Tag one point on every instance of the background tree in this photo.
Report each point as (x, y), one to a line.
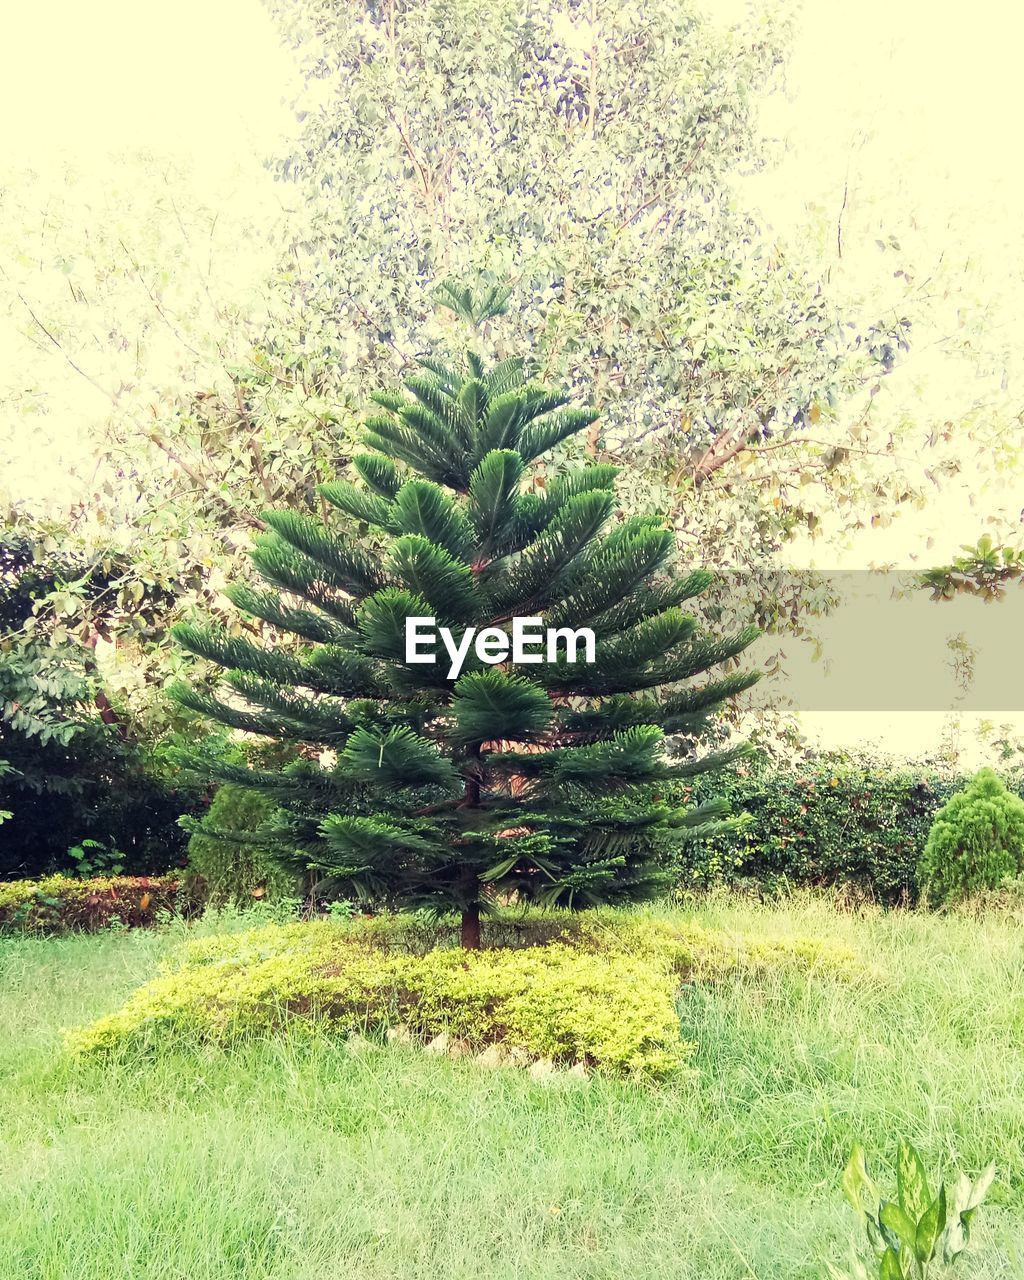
(72, 768)
(591, 155)
(542, 783)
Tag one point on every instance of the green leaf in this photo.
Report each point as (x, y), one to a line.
(380, 473)
(545, 433)
(398, 757)
(422, 507)
(504, 376)
(981, 1187)
(502, 424)
(368, 507)
(369, 840)
(857, 1184)
(472, 404)
(895, 1219)
(349, 567)
(382, 620)
(911, 1182)
(890, 1267)
(930, 1227)
(490, 705)
(493, 490)
(434, 575)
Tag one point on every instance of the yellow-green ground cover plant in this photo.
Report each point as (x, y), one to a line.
(598, 990)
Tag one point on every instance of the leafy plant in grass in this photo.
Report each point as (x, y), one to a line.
(915, 1233)
(976, 841)
(529, 780)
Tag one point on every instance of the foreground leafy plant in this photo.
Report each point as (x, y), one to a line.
(916, 1230)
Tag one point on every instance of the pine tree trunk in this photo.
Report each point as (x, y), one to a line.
(471, 927)
(471, 912)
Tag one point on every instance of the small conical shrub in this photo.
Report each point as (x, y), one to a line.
(976, 841)
(232, 865)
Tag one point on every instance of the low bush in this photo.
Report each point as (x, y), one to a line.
(60, 904)
(976, 841)
(598, 990)
(234, 870)
(550, 1002)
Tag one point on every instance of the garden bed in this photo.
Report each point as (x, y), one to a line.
(596, 990)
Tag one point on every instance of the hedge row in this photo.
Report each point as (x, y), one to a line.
(60, 904)
(825, 825)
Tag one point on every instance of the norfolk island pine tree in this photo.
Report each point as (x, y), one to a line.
(540, 783)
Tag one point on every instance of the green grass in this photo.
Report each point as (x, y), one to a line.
(298, 1160)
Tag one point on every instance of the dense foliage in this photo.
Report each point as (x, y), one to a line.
(73, 774)
(61, 904)
(826, 822)
(229, 866)
(533, 778)
(976, 841)
(588, 156)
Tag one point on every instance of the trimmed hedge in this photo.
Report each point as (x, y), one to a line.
(60, 904)
(827, 824)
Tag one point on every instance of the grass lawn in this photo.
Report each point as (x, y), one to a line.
(291, 1160)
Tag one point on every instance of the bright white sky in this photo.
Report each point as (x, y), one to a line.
(918, 107)
(203, 78)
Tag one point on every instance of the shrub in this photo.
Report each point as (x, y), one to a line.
(237, 870)
(597, 988)
(829, 823)
(976, 841)
(59, 904)
(550, 1001)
